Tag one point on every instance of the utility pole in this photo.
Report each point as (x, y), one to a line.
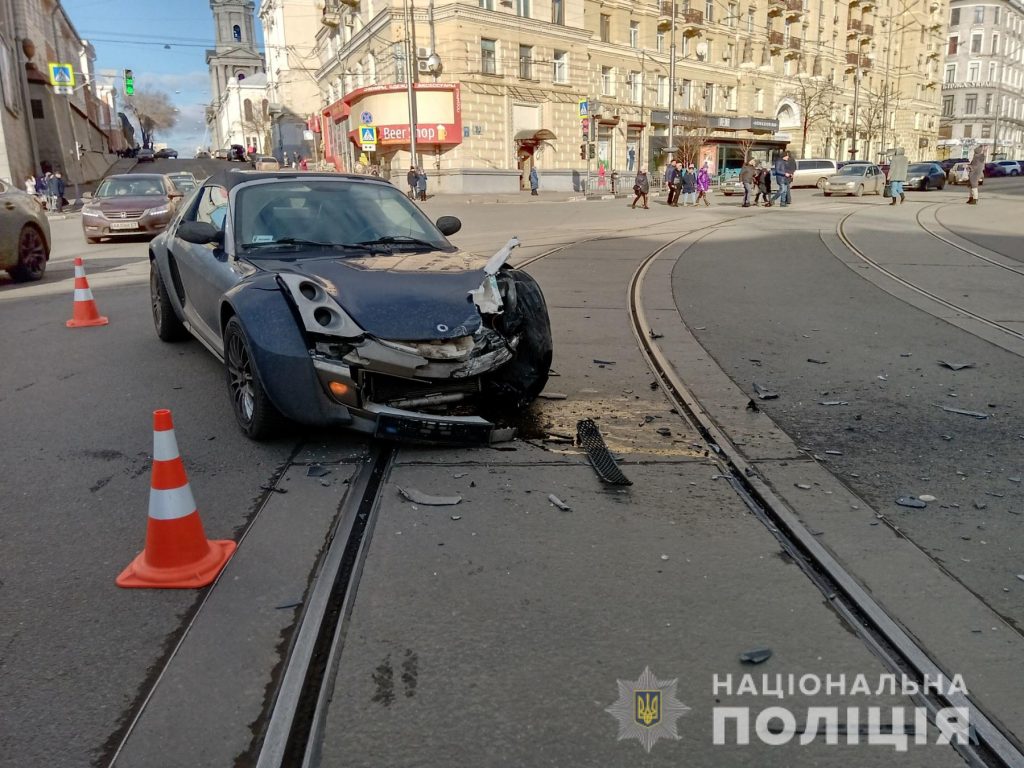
(885, 84)
(410, 57)
(999, 106)
(672, 86)
(856, 99)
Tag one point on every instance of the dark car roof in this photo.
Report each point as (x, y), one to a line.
(232, 178)
(134, 176)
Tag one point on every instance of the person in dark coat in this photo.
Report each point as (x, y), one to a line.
(534, 180)
(671, 182)
(641, 188)
(764, 184)
(421, 183)
(790, 175)
(747, 180)
(689, 183)
(780, 170)
(977, 173)
(55, 192)
(410, 178)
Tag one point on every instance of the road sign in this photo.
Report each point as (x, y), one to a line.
(367, 135)
(369, 147)
(584, 108)
(366, 117)
(61, 74)
(63, 90)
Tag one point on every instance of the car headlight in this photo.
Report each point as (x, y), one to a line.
(159, 211)
(91, 212)
(850, 183)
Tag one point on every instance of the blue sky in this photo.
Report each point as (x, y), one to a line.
(164, 43)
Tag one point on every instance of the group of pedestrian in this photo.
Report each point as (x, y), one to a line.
(417, 181)
(757, 179)
(683, 182)
(48, 189)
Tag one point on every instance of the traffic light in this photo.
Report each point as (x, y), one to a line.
(129, 83)
(593, 153)
(583, 151)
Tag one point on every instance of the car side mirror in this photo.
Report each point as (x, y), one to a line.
(448, 225)
(200, 233)
(173, 195)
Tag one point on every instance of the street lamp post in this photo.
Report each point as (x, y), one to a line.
(411, 91)
(672, 85)
(856, 100)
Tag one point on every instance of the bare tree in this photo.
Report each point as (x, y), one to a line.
(745, 145)
(813, 97)
(871, 116)
(154, 111)
(696, 130)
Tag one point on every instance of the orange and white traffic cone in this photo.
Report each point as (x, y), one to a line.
(85, 313)
(177, 552)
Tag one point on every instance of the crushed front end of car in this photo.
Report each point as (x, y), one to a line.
(481, 352)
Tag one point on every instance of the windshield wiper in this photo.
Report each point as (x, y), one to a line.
(401, 240)
(298, 242)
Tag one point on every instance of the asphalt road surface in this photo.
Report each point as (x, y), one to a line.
(520, 617)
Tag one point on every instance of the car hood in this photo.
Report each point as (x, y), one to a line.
(843, 178)
(404, 297)
(129, 203)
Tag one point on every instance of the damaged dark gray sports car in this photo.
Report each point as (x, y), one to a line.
(333, 300)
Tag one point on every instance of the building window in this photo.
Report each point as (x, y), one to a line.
(709, 11)
(607, 81)
(976, 41)
(248, 110)
(995, 45)
(606, 28)
(954, 42)
(686, 91)
(973, 72)
(557, 12)
(954, 17)
(236, 32)
(971, 104)
(634, 34)
(523, 8)
(37, 109)
(750, 21)
(986, 131)
(979, 14)
(488, 56)
(659, 42)
(988, 103)
(636, 87)
(526, 62)
(730, 51)
(969, 131)
(709, 97)
(729, 97)
(733, 14)
(662, 91)
(991, 71)
(561, 73)
(917, 121)
(950, 73)
(487, 5)
(759, 99)
(947, 106)
(995, 17)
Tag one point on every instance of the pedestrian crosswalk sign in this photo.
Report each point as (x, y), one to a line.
(62, 74)
(367, 134)
(584, 108)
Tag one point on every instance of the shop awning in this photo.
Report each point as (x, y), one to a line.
(539, 135)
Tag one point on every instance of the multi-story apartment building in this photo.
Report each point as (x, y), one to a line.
(507, 84)
(291, 59)
(41, 130)
(983, 79)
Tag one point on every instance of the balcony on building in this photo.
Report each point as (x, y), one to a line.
(777, 7)
(691, 22)
(854, 3)
(853, 59)
(867, 5)
(794, 9)
(867, 32)
(853, 27)
(664, 14)
(776, 40)
(793, 44)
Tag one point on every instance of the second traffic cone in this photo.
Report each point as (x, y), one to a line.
(84, 313)
(177, 552)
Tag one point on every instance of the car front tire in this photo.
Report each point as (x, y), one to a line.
(31, 255)
(256, 415)
(860, 191)
(168, 327)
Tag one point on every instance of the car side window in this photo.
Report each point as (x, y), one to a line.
(212, 206)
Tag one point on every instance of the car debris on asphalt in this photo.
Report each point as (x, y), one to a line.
(833, 402)
(559, 503)
(427, 500)
(765, 394)
(756, 655)
(553, 396)
(588, 436)
(955, 366)
(912, 502)
(976, 414)
(316, 470)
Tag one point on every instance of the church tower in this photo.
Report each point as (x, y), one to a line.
(235, 55)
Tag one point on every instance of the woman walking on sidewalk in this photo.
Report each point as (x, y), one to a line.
(703, 184)
(977, 174)
(641, 188)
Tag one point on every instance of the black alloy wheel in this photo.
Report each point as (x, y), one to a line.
(31, 255)
(256, 415)
(168, 326)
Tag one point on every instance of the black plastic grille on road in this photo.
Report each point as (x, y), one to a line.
(588, 436)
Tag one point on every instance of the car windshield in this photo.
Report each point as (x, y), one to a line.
(853, 170)
(921, 168)
(330, 212)
(185, 185)
(143, 186)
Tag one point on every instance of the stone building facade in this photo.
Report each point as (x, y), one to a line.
(582, 88)
(983, 80)
(234, 60)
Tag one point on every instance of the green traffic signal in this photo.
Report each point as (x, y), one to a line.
(129, 83)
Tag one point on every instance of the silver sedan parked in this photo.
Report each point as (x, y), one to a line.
(24, 234)
(856, 179)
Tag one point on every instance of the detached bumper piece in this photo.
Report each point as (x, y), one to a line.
(588, 436)
(394, 424)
